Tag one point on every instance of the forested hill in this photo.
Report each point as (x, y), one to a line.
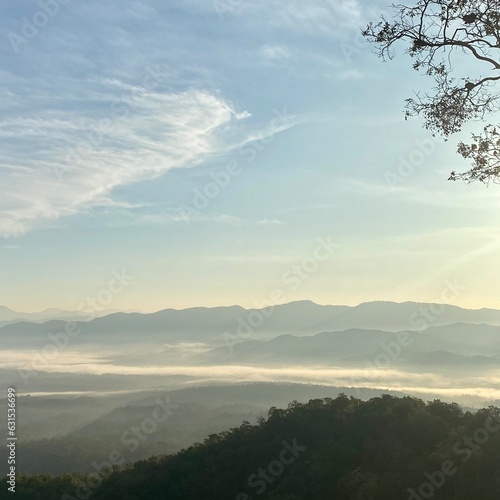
(384, 449)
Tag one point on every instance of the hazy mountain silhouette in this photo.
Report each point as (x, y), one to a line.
(8, 315)
(393, 316)
(354, 346)
(297, 318)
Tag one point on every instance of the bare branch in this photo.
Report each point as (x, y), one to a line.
(425, 29)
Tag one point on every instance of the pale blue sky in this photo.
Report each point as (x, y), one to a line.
(115, 114)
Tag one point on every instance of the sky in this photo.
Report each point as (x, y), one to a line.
(228, 152)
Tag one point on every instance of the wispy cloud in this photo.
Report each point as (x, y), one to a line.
(274, 52)
(268, 222)
(75, 161)
(352, 75)
(427, 195)
(316, 16)
(173, 217)
(69, 141)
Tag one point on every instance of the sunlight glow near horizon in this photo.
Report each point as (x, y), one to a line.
(224, 160)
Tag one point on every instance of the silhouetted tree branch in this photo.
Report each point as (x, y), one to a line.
(436, 31)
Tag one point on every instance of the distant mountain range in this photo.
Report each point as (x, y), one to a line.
(209, 324)
(8, 315)
(412, 348)
(459, 345)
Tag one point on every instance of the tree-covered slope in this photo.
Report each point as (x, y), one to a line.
(383, 449)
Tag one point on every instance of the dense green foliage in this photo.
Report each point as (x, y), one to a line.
(339, 448)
